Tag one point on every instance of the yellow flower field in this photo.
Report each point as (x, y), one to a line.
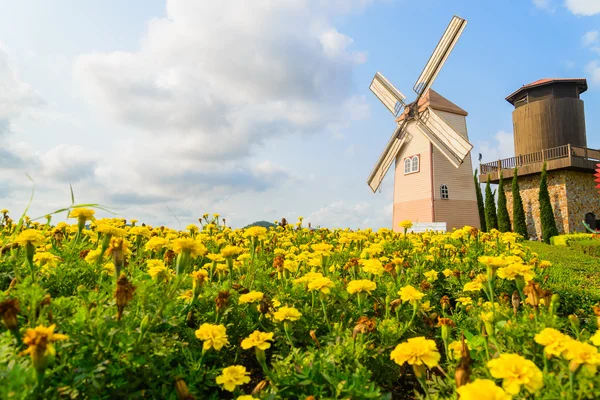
(108, 308)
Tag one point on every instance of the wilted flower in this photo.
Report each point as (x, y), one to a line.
(123, 294)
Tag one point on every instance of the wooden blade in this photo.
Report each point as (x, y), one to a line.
(451, 143)
(387, 94)
(440, 54)
(386, 159)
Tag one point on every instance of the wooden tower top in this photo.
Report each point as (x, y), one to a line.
(547, 87)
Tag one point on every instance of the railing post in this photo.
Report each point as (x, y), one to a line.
(499, 166)
(570, 154)
(543, 155)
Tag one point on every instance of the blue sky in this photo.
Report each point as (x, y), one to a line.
(255, 110)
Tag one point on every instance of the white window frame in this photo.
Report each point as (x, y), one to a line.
(412, 164)
(444, 188)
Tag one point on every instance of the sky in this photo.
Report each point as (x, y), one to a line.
(166, 110)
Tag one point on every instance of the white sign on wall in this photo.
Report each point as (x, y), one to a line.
(419, 227)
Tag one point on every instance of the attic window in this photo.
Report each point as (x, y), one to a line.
(411, 164)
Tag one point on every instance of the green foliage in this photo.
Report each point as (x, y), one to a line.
(480, 205)
(491, 220)
(548, 222)
(503, 218)
(520, 224)
(565, 240)
(590, 247)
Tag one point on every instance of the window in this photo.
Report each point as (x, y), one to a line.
(411, 164)
(407, 165)
(444, 192)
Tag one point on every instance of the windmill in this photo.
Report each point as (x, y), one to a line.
(430, 119)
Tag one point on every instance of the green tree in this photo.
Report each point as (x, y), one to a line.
(480, 206)
(491, 220)
(549, 228)
(503, 218)
(519, 224)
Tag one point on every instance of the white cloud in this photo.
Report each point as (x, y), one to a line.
(17, 98)
(593, 70)
(502, 146)
(583, 7)
(543, 4)
(589, 38)
(341, 214)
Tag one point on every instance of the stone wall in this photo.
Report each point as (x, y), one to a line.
(572, 193)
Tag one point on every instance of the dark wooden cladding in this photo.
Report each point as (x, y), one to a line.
(549, 122)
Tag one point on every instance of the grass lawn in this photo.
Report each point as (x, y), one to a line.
(574, 275)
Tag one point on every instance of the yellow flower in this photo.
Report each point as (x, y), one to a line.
(596, 338)
(214, 336)
(188, 245)
(581, 354)
(516, 371)
(251, 297)
(255, 231)
(157, 271)
(416, 351)
(309, 277)
(372, 266)
(141, 231)
(109, 268)
(82, 214)
(465, 301)
(409, 293)
(513, 271)
(287, 314)
(431, 275)
(257, 339)
(154, 263)
(554, 341)
(30, 236)
(156, 244)
(323, 284)
(43, 258)
(472, 287)
(448, 272)
(456, 349)
(482, 389)
(231, 251)
(425, 306)
(246, 397)
(233, 376)
(361, 286)
(40, 347)
(406, 224)
(111, 230)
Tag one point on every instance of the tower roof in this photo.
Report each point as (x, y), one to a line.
(580, 82)
(436, 101)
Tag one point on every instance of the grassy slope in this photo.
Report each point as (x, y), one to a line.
(573, 275)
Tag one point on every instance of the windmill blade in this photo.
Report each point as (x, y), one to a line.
(387, 158)
(391, 97)
(439, 55)
(449, 142)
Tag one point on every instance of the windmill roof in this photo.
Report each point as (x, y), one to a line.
(436, 101)
(580, 82)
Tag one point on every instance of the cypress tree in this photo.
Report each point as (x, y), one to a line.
(520, 226)
(491, 220)
(549, 228)
(503, 218)
(480, 206)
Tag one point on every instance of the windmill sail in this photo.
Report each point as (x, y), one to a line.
(391, 97)
(451, 143)
(440, 54)
(386, 159)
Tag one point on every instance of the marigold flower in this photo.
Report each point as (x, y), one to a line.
(110, 230)
(231, 251)
(554, 341)
(465, 301)
(431, 275)
(406, 224)
(595, 339)
(233, 376)
(322, 248)
(472, 287)
(323, 284)
(258, 339)
(158, 271)
(188, 245)
(361, 286)
(372, 266)
(82, 214)
(156, 243)
(255, 231)
(581, 354)
(40, 345)
(214, 336)
(513, 271)
(482, 389)
(416, 351)
(287, 314)
(30, 236)
(410, 294)
(44, 258)
(516, 371)
(251, 297)
(141, 231)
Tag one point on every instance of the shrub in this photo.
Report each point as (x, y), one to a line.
(549, 228)
(519, 224)
(565, 240)
(589, 247)
(491, 220)
(503, 218)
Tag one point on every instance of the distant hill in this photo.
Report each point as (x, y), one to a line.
(265, 224)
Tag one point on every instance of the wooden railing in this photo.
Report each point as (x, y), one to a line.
(539, 157)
